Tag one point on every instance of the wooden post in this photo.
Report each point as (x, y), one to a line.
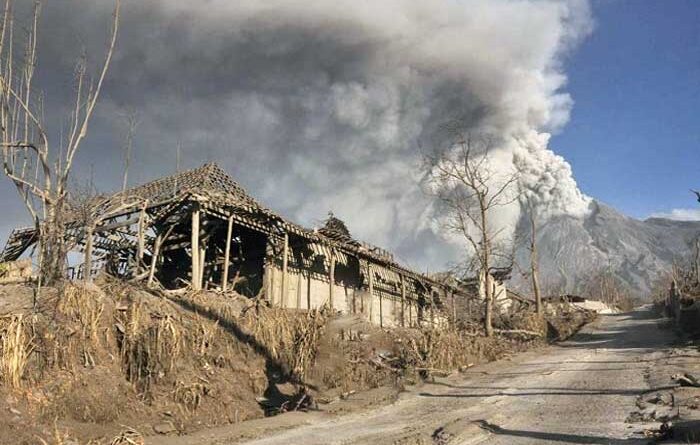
(332, 278)
(227, 254)
(87, 262)
(371, 291)
(141, 240)
(381, 311)
(196, 282)
(454, 309)
(403, 301)
(299, 289)
(308, 290)
(154, 260)
(202, 262)
(269, 282)
(285, 255)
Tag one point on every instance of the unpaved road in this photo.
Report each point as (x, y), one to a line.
(578, 392)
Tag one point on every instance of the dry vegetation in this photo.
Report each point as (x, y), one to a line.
(112, 363)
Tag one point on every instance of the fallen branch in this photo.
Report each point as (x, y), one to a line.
(435, 371)
(686, 380)
(518, 332)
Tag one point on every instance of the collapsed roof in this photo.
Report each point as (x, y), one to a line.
(216, 192)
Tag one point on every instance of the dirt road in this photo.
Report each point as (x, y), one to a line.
(578, 392)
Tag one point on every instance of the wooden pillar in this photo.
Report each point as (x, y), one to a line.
(202, 263)
(154, 260)
(227, 254)
(299, 289)
(308, 290)
(141, 240)
(269, 282)
(332, 278)
(371, 291)
(285, 258)
(403, 301)
(87, 262)
(196, 283)
(381, 311)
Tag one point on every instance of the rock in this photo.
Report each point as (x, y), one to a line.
(164, 428)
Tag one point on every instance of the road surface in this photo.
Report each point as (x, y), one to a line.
(577, 392)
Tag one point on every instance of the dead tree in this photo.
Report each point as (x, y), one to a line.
(534, 259)
(132, 121)
(469, 189)
(39, 170)
(696, 260)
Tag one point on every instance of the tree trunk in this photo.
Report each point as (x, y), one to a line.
(534, 263)
(488, 325)
(87, 261)
(697, 260)
(52, 244)
(536, 289)
(485, 266)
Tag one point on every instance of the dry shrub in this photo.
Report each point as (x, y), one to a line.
(526, 321)
(290, 337)
(438, 349)
(190, 396)
(17, 346)
(205, 339)
(150, 345)
(83, 310)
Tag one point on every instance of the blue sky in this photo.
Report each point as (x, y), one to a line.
(634, 135)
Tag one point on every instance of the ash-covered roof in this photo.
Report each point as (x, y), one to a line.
(208, 179)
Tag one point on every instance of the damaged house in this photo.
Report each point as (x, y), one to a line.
(200, 229)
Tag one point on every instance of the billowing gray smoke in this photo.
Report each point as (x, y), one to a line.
(321, 105)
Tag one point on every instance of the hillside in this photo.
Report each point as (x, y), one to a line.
(574, 249)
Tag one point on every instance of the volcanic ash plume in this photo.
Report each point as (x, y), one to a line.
(321, 105)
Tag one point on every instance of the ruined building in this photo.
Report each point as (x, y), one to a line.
(200, 229)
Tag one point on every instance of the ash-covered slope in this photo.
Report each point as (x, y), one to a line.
(572, 250)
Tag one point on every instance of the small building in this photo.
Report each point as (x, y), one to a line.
(200, 229)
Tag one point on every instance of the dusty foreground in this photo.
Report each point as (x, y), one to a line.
(583, 391)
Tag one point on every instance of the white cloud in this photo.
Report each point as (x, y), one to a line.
(679, 214)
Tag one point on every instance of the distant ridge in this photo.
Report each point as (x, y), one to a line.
(572, 250)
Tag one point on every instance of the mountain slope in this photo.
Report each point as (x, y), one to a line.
(571, 250)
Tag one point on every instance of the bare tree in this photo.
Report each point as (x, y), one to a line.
(696, 260)
(469, 189)
(607, 287)
(132, 121)
(534, 258)
(39, 171)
